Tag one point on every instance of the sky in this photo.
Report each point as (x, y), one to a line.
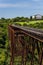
(18, 8)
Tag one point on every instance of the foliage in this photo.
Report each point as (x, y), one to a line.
(4, 44)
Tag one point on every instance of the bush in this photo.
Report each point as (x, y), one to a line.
(24, 24)
(17, 24)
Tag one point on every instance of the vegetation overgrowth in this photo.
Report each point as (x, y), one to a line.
(4, 41)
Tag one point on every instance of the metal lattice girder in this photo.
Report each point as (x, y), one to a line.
(26, 43)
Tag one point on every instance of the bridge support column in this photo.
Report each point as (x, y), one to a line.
(22, 41)
(41, 57)
(12, 48)
(32, 50)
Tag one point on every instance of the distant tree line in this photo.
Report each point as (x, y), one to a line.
(19, 19)
(16, 19)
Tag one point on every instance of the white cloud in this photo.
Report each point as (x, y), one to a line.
(13, 5)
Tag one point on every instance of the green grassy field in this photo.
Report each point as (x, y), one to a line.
(34, 24)
(30, 22)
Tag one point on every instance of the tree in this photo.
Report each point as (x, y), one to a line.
(42, 17)
(30, 17)
(2, 39)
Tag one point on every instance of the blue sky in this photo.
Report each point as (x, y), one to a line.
(26, 8)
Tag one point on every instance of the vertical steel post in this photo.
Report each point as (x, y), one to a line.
(12, 47)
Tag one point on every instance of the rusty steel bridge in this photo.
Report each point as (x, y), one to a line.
(26, 45)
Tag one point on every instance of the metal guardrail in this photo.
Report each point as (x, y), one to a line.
(24, 42)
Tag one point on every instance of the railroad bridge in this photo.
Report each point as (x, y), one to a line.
(26, 45)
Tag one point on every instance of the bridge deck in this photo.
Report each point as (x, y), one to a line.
(35, 33)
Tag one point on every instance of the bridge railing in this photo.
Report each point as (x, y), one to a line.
(26, 45)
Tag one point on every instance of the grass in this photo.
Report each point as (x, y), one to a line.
(32, 24)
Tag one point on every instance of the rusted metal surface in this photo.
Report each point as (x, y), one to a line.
(26, 43)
